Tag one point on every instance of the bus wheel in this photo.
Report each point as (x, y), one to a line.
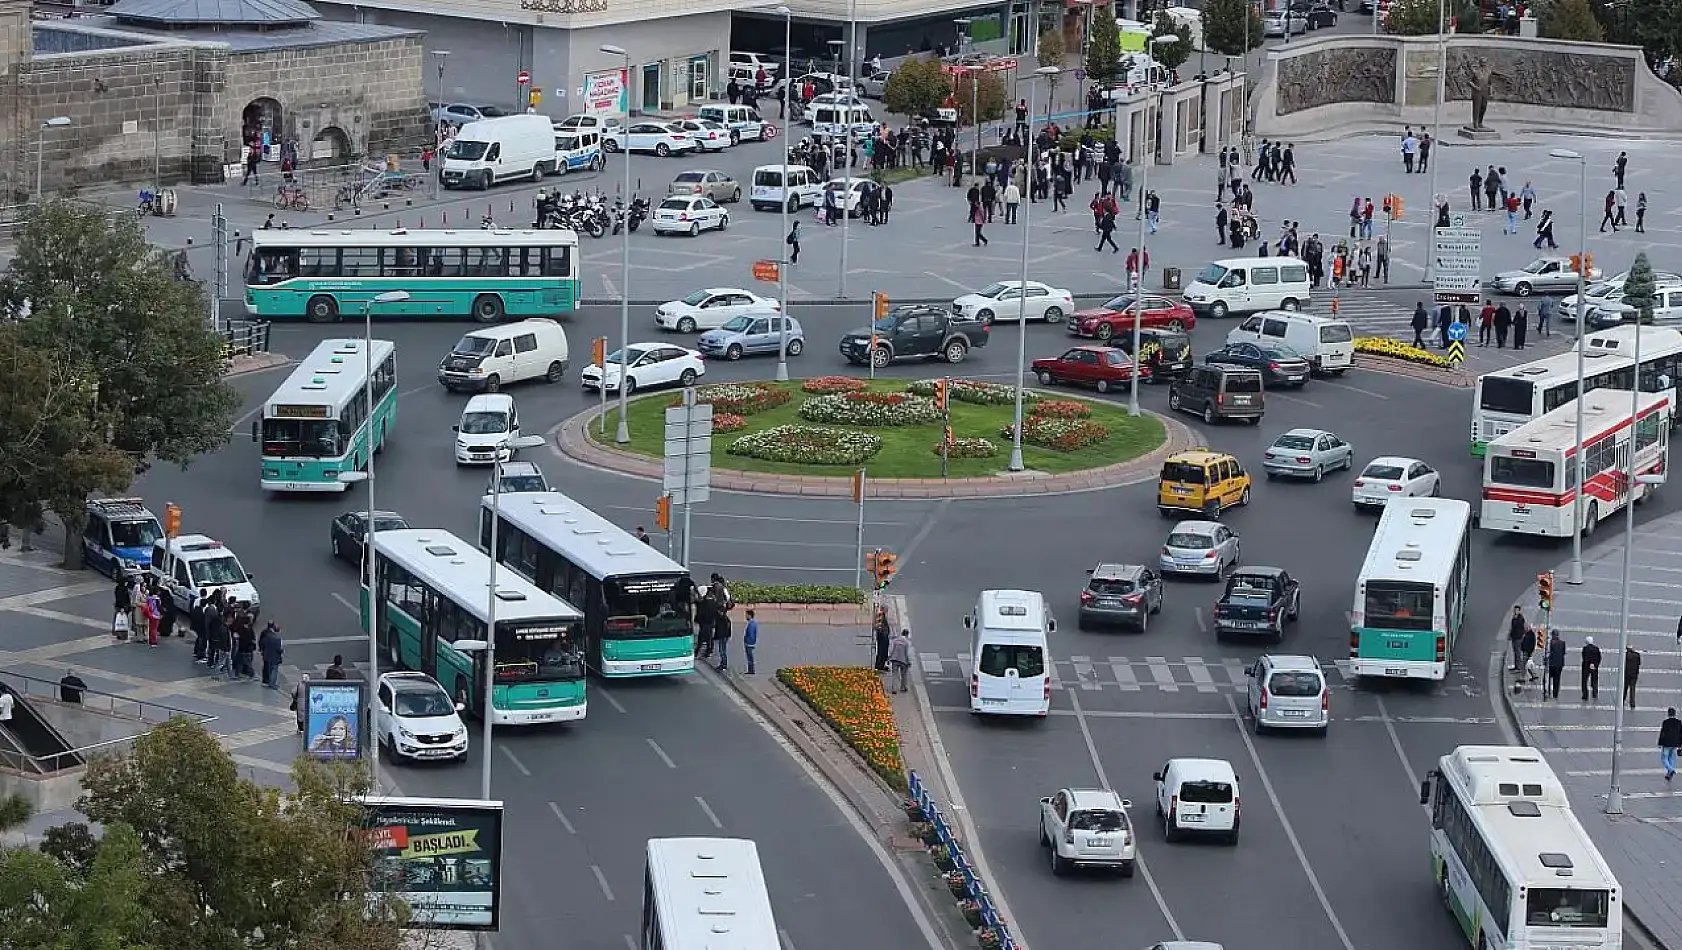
(487, 308)
(322, 309)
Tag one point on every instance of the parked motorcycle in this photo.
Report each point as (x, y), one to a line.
(638, 214)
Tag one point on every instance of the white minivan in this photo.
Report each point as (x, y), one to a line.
(1011, 653)
(771, 191)
(837, 119)
(488, 424)
(1249, 285)
(505, 148)
(743, 122)
(1197, 796)
(489, 357)
(1327, 343)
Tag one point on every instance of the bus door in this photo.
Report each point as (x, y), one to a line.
(429, 652)
(1626, 448)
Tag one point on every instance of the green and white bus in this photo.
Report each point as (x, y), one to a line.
(434, 608)
(634, 623)
(1410, 597)
(317, 424)
(485, 274)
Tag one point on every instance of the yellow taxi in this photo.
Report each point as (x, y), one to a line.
(1203, 481)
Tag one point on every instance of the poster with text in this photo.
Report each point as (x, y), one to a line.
(607, 93)
(442, 857)
(333, 721)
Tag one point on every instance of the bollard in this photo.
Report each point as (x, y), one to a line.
(408, 202)
(331, 216)
(385, 206)
(358, 211)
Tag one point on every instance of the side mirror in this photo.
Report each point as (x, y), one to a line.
(1126, 803)
(250, 577)
(455, 428)
(1089, 572)
(969, 622)
(1156, 776)
(1249, 671)
(1425, 792)
(1045, 801)
(1051, 626)
(461, 707)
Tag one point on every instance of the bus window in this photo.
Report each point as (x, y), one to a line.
(359, 262)
(557, 262)
(525, 262)
(318, 262)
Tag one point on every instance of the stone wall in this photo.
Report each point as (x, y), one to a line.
(16, 116)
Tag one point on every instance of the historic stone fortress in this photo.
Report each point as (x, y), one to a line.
(180, 85)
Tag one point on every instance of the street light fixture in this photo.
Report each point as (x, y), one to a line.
(1564, 154)
(488, 707)
(782, 269)
(1016, 463)
(441, 55)
(1137, 288)
(623, 435)
(56, 122)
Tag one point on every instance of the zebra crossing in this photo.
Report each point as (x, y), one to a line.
(1193, 674)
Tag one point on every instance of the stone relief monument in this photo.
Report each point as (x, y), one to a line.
(1330, 77)
(1539, 77)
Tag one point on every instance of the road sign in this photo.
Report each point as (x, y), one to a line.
(1456, 263)
(689, 446)
(768, 271)
(524, 78)
(1456, 352)
(1457, 332)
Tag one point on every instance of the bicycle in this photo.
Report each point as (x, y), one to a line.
(291, 197)
(348, 196)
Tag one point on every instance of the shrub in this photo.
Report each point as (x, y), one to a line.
(975, 392)
(808, 445)
(830, 385)
(1063, 409)
(969, 449)
(1396, 349)
(742, 399)
(852, 701)
(747, 592)
(728, 422)
(1060, 425)
(870, 409)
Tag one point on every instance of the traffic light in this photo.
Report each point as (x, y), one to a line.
(172, 520)
(663, 512)
(887, 565)
(881, 305)
(872, 564)
(1396, 207)
(940, 395)
(1582, 263)
(1576, 263)
(1387, 205)
(1545, 590)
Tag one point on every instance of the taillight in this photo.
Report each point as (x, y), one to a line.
(1068, 837)
(1220, 399)
(1325, 700)
(1045, 696)
(1354, 643)
(1208, 555)
(1360, 484)
(683, 217)
(1173, 803)
(1235, 806)
(974, 685)
(1273, 615)
(1132, 599)
(1086, 597)
(1264, 699)
(1273, 366)
(1393, 488)
(1302, 460)
(696, 190)
(1442, 649)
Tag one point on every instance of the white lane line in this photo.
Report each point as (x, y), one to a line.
(769, 543)
(1298, 399)
(515, 760)
(324, 641)
(561, 817)
(1285, 822)
(948, 280)
(631, 942)
(611, 701)
(1396, 743)
(1353, 389)
(1104, 780)
(343, 603)
(788, 942)
(601, 880)
(662, 754)
(778, 567)
(707, 810)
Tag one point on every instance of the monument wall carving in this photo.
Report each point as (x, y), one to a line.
(1334, 76)
(1540, 77)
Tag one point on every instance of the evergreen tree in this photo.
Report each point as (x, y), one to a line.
(1103, 49)
(1231, 27)
(1052, 49)
(1571, 20)
(1639, 288)
(1171, 55)
(918, 85)
(1413, 18)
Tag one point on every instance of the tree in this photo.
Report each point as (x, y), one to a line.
(1571, 20)
(1053, 48)
(1171, 55)
(1231, 27)
(48, 905)
(1425, 17)
(1103, 48)
(15, 810)
(918, 85)
(1639, 288)
(984, 89)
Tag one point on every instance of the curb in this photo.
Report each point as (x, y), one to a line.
(572, 441)
(242, 365)
(1456, 379)
(812, 615)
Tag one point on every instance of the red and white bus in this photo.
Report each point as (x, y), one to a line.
(1530, 474)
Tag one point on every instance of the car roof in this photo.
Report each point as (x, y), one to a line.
(1235, 370)
(1117, 572)
(1307, 433)
(1096, 348)
(1400, 461)
(1200, 457)
(377, 513)
(1090, 799)
(1196, 527)
(1194, 769)
(490, 402)
(519, 467)
(1291, 661)
(405, 679)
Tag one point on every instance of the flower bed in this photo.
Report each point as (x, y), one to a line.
(1397, 350)
(740, 399)
(724, 422)
(808, 445)
(852, 701)
(829, 385)
(975, 392)
(870, 409)
(1061, 425)
(747, 592)
(969, 449)
(1062, 409)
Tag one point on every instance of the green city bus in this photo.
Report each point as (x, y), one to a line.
(634, 624)
(435, 607)
(1410, 598)
(486, 274)
(317, 424)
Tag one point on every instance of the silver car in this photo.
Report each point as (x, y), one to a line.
(1307, 453)
(707, 183)
(1288, 692)
(1203, 548)
(1549, 274)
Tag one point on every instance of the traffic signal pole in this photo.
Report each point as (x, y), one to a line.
(859, 478)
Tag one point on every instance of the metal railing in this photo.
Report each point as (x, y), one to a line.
(153, 714)
(244, 338)
(963, 878)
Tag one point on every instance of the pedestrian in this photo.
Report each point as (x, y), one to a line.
(300, 698)
(336, 671)
(899, 661)
(1477, 190)
(253, 154)
(1545, 231)
(1527, 646)
(1381, 258)
(1410, 149)
(221, 644)
(1619, 166)
(1221, 173)
(793, 242)
(1364, 265)
(1620, 202)
(1491, 189)
(1366, 220)
(750, 639)
(1556, 665)
(426, 159)
(979, 217)
(1220, 223)
(1486, 323)
(1511, 227)
(1355, 218)
(1421, 322)
(1544, 314)
(1516, 628)
(154, 610)
(1521, 325)
(1503, 324)
(1424, 154)
(885, 204)
(706, 612)
(71, 687)
(1106, 230)
(245, 640)
(721, 631)
(6, 702)
(1153, 209)
(642, 535)
(270, 646)
(1632, 673)
(122, 620)
(1608, 212)
(1591, 671)
(883, 634)
(1670, 737)
(1287, 167)
(1641, 213)
(1124, 180)
(1527, 197)
(1445, 316)
(1013, 198)
(989, 198)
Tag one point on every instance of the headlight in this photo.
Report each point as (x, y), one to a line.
(405, 733)
(128, 564)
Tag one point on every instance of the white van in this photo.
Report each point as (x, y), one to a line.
(192, 567)
(770, 192)
(601, 124)
(506, 148)
(835, 119)
(1197, 796)
(753, 63)
(743, 122)
(1249, 285)
(488, 424)
(1011, 654)
(578, 150)
(1327, 343)
(486, 358)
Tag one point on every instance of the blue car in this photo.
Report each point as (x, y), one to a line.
(119, 536)
(752, 334)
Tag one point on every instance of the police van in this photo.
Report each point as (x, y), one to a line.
(578, 150)
(193, 567)
(119, 536)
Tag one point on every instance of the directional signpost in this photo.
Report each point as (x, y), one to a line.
(1457, 343)
(1457, 263)
(689, 456)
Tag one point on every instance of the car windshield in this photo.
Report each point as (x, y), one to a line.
(1101, 821)
(218, 571)
(1524, 473)
(697, 298)
(1025, 659)
(474, 346)
(523, 483)
(1537, 266)
(1123, 302)
(1567, 907)
(1294, 683)
(1190, 541)
(1389, 473)
(738, 324)
(465, 151)
(484, 423)
(134, 534)
(1182, 472)
(1110, 586)
(993, 290)
(423, 703)
(887, 323)
(1206, 793)
(1295, 443)
(1211, 275)
(615, 356)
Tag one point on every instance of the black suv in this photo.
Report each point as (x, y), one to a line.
(1167, 352)
(1219, 392)
(912, 331)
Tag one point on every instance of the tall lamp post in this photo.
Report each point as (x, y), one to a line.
(158, 132)
(847, 120)
(623, 435)
(1436, 117)
(488, 706)
(782, 270)
(1016, 463)
(1145, 162)
(440, 56)
(366, 475)
(1576, 573)
(1614, 793)
(56, 122)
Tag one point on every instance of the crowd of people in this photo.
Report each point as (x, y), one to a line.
(226, 639)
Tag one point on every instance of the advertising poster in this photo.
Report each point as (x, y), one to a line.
(607, 93)
(333, 721)
(443, 857)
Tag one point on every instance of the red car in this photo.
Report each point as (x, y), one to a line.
(1116, 316)
(1098, 366)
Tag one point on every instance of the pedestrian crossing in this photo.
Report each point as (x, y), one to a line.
(1192, 674)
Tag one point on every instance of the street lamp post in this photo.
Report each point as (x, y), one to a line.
(1016, 463)
(1575, 576)
(847, 120)
(1436, 117)
(623, 435)
(158, 132)
(366, 474)
(441, 56)
(974, 95)
(782, 270)
(1138, 288)
(488, 697)
(1615, 794)
(56, 122)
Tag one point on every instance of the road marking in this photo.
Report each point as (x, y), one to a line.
(601, 879)
(662, 754)
(631, 942)
(1084, 672)
(1123, 673)
(1353, 389)
(1139, 859)
(611, 701)
(930, 519)
(758, 541)
(1298, 399)
(931, 664)
(345, 603)
(562, 818)
(1396, 743)
(1202, 625)
(700, 515)
(1161, 674)
(1593, 773)
(707, 810)
(778, 567)
(1200, 678)
(948, 280)
(517, 763)
(324, 641)
(1285, 822)
(788, 942)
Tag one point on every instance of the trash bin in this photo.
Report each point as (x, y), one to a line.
(1171, 278)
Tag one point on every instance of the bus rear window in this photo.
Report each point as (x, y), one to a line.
(1525, 473)
(1514, 396)
(1398, 605)
(1567, 907)
(1206, 793)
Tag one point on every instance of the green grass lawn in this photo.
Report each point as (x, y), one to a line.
(906, 452)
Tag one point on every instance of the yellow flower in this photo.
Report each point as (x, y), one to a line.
(1396, 349)
(852, 701)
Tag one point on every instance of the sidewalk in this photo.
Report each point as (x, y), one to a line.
(1641, 844)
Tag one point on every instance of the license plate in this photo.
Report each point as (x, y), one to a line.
(1190, 819)
(1097, 842)
(1246, 624)
(992, 702)
(1394, 671)
(1295, 379)
(652, 666)
(1182, 491)
(1108, 602)
(1293, 713)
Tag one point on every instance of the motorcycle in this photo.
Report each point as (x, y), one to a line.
(618, 216)
(638, 213)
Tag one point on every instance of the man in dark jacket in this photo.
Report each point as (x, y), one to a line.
(1591, 671)
(1421, 322)
(1527, 646)
(1517, 626)
(706, 611)
(269, 645)
(721, 634)
(1556, 665)
(1632, 672)
(1670, 736)
(1503, 324)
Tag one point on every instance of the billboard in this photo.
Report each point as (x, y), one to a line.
(441, 856)
(333, 719)
(606, 93)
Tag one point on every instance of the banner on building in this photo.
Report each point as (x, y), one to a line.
(441, 856)
(606, 93)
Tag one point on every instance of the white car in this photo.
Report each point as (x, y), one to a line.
(1004, 301)
(582, 122)
(849, 195)
(416, 720)
(651, 364)
(710, 309)
(1204, 548)
(1392, 476)
(712, 136)
(1087, 827)
(661, 138)
(691, 216)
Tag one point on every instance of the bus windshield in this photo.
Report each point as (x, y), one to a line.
(538, 655)
(1399, 605)
(302, 438)
(643, 607)
(271, 265)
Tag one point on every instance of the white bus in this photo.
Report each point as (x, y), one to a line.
(636, 622)
(317, 424)
(433, 612)
(1511, 862)
(1530, 474)
(706, 894)
(1508, 398)
(1410, 598)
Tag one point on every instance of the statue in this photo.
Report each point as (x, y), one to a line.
(1482, 74)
